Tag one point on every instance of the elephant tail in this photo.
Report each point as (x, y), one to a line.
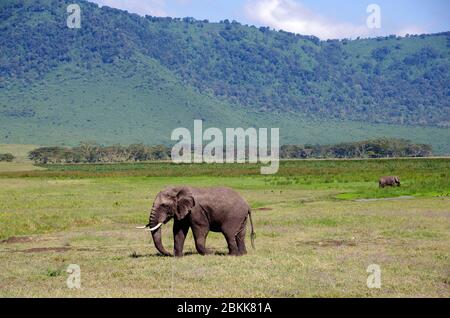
(252, 234)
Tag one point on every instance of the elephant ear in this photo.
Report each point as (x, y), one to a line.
(185, 202)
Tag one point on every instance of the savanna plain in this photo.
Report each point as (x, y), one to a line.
(319, 225)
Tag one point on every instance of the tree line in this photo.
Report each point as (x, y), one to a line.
(95, 153)
(377, 148)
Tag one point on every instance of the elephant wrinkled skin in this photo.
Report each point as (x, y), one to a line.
(216, 209)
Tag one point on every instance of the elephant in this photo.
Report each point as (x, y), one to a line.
(388, 181)
(216, 209)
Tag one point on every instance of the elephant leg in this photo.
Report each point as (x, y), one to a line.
(240, 240)
(180, 230)
(200, 240)
(232, 244)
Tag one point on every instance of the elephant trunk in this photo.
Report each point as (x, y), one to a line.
(158, 242)
(156, 234)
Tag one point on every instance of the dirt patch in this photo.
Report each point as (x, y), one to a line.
(17, 239)
(403, 197)
(52, 249)
(46, 249)
(328, 243)
(263, 209)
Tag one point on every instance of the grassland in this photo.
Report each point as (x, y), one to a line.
(319, 224)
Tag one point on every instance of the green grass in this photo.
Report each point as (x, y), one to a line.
(14, 167)
(353, 178)
(309, 242)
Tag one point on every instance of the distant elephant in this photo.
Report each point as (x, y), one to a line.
(389, 181)
(201, 209)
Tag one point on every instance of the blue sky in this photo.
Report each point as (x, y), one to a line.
(322, 18)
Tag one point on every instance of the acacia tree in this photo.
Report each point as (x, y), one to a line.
(8, 157)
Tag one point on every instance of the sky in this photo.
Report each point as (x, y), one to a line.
(326, 19)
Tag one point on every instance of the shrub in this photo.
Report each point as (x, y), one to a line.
(6, 157)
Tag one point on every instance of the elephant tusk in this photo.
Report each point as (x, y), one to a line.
(154, 228)
(142, 227)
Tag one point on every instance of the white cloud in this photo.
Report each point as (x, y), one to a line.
(141, 7)
(292, 16)
(288, 15)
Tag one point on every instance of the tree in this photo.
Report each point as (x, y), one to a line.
(8, 157)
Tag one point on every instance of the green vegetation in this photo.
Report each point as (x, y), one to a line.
(131, 80)
(379, 148)
(381, 80)
(8, 157)
(20, 152)
(353, 178)
(60, 86)
(85, 214)
(95, 153)
(21, 161)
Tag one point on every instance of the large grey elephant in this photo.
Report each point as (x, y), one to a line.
(388, 181)
(216, 209)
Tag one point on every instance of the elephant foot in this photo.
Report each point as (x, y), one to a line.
(206, 251)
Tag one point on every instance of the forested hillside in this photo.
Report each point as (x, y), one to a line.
(124, 76)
